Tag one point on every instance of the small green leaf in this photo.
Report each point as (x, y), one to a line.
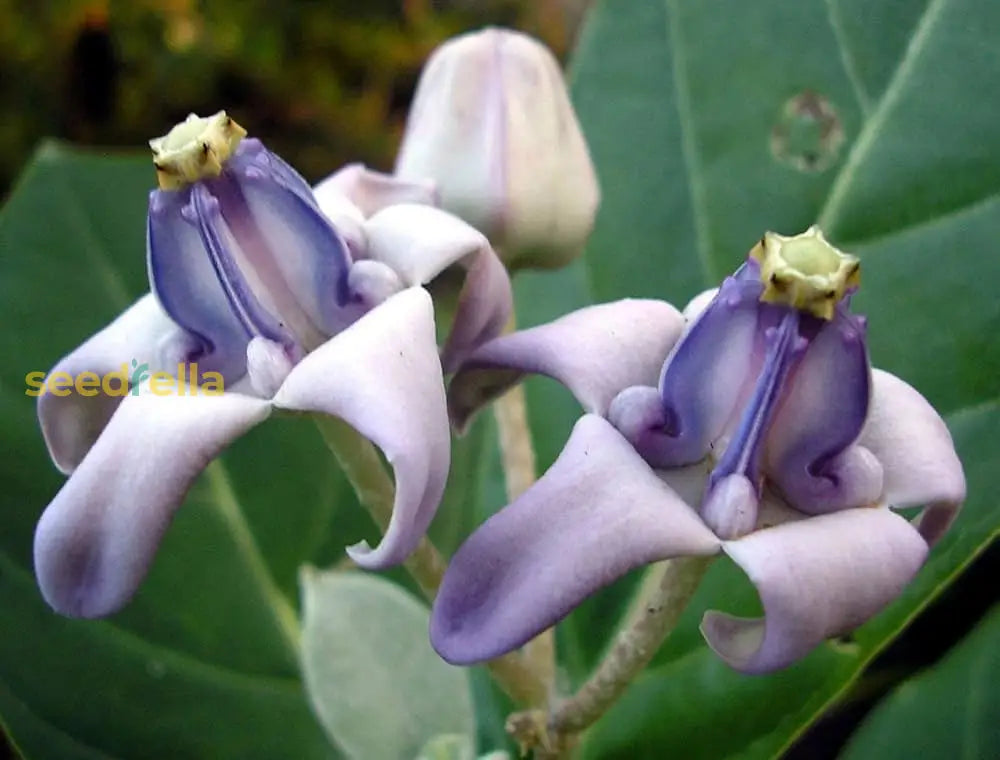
(378, 688)
(950, 710)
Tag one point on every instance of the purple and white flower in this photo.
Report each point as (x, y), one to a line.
(768, 437)
(300, 303)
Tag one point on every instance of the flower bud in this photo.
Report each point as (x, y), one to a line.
(493, 126)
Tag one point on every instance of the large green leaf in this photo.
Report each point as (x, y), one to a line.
(681, 101)
(951, 710)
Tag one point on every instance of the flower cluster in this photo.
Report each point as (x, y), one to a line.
(751, 424)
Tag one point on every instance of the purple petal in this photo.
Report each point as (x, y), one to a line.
(419, 243)
(596, 352)
(707, 372)
(96, 540)
(918, 458)
(186, 283)
(382, 376)
(597, 513)
(143, 333)
(817, 578)
(809, 453)
(296, 252)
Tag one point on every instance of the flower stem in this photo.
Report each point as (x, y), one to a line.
(664, 594)
(361, 463)
(517, 454)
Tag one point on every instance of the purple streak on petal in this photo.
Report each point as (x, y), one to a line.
(817, 578)
(596, 352)
(744, 451)
(707, 371)
(918, 458)
(373, 191)
(96, 540)
(421, 242)
(382, 376)
(221, 250)
(299, 257)
(809, 453)
(185, 282)
(251, 151)
(71, 424)
(598, 512)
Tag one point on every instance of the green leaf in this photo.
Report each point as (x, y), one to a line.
(950, 710)
(683, 102)
(374, 681)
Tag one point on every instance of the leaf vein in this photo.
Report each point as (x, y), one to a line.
(872, 127)
(689, 148)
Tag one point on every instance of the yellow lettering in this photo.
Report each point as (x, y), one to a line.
(60, 383)
(212, 384)
(35, 382)
(161, 383)
(88, 384)
(121, 389)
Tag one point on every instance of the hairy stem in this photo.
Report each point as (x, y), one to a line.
(364, 469)
(663, 596)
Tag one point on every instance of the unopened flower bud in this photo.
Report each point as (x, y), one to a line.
(493, 126)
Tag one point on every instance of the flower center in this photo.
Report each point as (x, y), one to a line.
(805, 272)
(195, 149)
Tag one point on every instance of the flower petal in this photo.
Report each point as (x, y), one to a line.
(96, 540)
(597, 513)
(185, 282)
(707, 372)
(817, 578)
(809, 453)
(596, 352)
(296, 252)
(372, 191)
(698, 304)
(914, 447)
(382, 376)
(421, 242)
(143, 333)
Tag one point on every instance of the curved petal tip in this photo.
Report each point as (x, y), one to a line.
(817, 578)
(382, 376)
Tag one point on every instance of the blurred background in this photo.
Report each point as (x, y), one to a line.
(320, 82)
